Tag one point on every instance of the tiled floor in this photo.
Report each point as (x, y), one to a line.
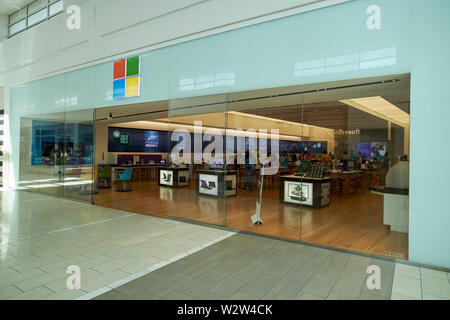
(41, 236)
(420, 283)
(249, 267)
(128, 256)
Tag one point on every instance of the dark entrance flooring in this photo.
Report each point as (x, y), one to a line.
(252, 268)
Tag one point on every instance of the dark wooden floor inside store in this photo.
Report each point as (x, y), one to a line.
(353, 221)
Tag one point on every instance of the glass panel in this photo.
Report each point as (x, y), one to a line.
(37, 17)
(37, 5)
(41, 154)
(367, 165)
(271, 121)
(56, 8)
(79, 173)
(20, 26)
(134, 140)
(56, 154)
(19, 15)
(198, 182)
(30, 155)
(51, 133)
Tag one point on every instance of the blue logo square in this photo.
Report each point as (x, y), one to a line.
(119, 89)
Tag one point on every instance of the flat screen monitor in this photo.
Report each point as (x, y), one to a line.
(137, 140)
(371, 149)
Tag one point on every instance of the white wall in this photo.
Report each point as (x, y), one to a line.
(110, 28)
(429, 220)
(4, 19)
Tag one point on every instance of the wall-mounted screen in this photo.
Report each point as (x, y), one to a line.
(371, 149)
(315, 147)
(136, 140)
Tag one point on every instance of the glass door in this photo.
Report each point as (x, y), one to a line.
(77, 161)
(198, 178)
(56, 154)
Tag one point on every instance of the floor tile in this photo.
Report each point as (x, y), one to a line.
(350, 286)
(208, 295)
(370, 296)
(199, 284)
(339, 296)
(144, 283)
(65, 295)
(242, 296)
(271, 295)
(396, 296)
(319, 286)
(176, 295)
(307, 296)
(407, 287)
(436, 287)
(426, 272)
(407, 271)
(144, 295)
(111, 295)
(8, 292)
(169, 285)
(290, 285)
(386, 287)
(34, 294)
(228, 286)
(428, 297)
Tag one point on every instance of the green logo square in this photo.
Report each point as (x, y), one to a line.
(133, 66)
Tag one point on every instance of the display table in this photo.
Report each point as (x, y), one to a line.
(395, 207)
(306, 191)
(217, 183)
(396, 197)
(174, 177)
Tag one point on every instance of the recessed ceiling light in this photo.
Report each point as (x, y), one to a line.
(380, 108)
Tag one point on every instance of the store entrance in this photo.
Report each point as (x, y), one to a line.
(340, 152)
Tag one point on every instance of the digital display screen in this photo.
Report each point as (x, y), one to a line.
(364, 149)
(371, 149)
(315, 147)
(136, 140)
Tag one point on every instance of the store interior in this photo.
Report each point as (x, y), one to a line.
(342, 149)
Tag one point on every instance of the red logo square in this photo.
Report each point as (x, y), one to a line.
(119, 69)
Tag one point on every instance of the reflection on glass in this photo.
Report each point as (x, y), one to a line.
(56, 155)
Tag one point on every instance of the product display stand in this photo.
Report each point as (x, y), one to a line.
(256, 218)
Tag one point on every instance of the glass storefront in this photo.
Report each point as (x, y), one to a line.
(328, 165)
(329, 108)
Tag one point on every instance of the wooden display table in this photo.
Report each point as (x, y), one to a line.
(174, 177)
(306, 191)
(217, 183)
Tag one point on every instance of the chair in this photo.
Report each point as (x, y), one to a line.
(125, 178)
(104, 178)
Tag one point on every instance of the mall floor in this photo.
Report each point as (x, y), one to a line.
(130, 256)
(353, 222)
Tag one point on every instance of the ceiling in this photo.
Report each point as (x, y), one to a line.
(318, 106)
(10, 6)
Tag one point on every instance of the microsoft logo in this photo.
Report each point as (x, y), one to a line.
(127, 78)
